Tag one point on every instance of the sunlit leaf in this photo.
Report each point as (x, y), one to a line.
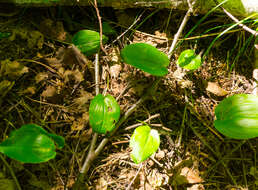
(31, 144)
(189, 60)
(88, 41)
(104, 113)
(237, 116)
(144, 142)
(147, 58)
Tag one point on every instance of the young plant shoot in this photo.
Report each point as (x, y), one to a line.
(189, 60)
(31, 144)
(237, 116)
(144, 142)
(104, 113)
(147, 58)
(88, 41)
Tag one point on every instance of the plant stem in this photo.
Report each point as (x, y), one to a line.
(139, 169)
(97, 73)
(12, 172)
(93, 155)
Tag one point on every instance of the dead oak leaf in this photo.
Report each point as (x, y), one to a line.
(214, 88)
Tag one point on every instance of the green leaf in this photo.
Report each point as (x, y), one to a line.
(147, 58)
(5, 35)
(31, 144)
(237, 116)
(104, 113)
(88, 41)
(188, 60)
(144, 142)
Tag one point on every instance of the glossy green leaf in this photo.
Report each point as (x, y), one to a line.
(237, 116)
(147, 58)
(88, 41)
(4, 35)
(104, 113)
(188, 60)
(144, 142)
(31, 144)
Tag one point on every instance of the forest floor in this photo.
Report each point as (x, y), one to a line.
(49, 87)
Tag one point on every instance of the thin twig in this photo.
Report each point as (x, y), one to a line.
(91, 153)
(131, 183)
(97, 73)
(180, 30)
(237, 21)
(145, 121)
(130, 27)
(100, 26)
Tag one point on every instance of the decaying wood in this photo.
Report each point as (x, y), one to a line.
(236, 7)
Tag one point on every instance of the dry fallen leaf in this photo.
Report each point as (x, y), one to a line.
(156, 179)
(214, 88)
(115, 70)
(101, 184)
(49, 92)
(192, 176)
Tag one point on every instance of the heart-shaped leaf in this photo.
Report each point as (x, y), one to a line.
(104, 113)
(189, 60)
(147, 58)
(31, 144)
(88, 41)
(144, 142)
(237, 116)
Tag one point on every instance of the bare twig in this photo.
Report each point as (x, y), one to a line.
(130, 27)
(237, 21)
(91, 153)
(97, 73)
(131, 183)
(180, 30)
(100, 26)
(145, 121)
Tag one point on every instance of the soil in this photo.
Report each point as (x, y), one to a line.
(47, 85)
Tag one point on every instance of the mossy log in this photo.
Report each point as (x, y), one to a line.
(236, 7)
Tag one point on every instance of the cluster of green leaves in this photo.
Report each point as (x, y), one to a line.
(104, 111)
(237, 116)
